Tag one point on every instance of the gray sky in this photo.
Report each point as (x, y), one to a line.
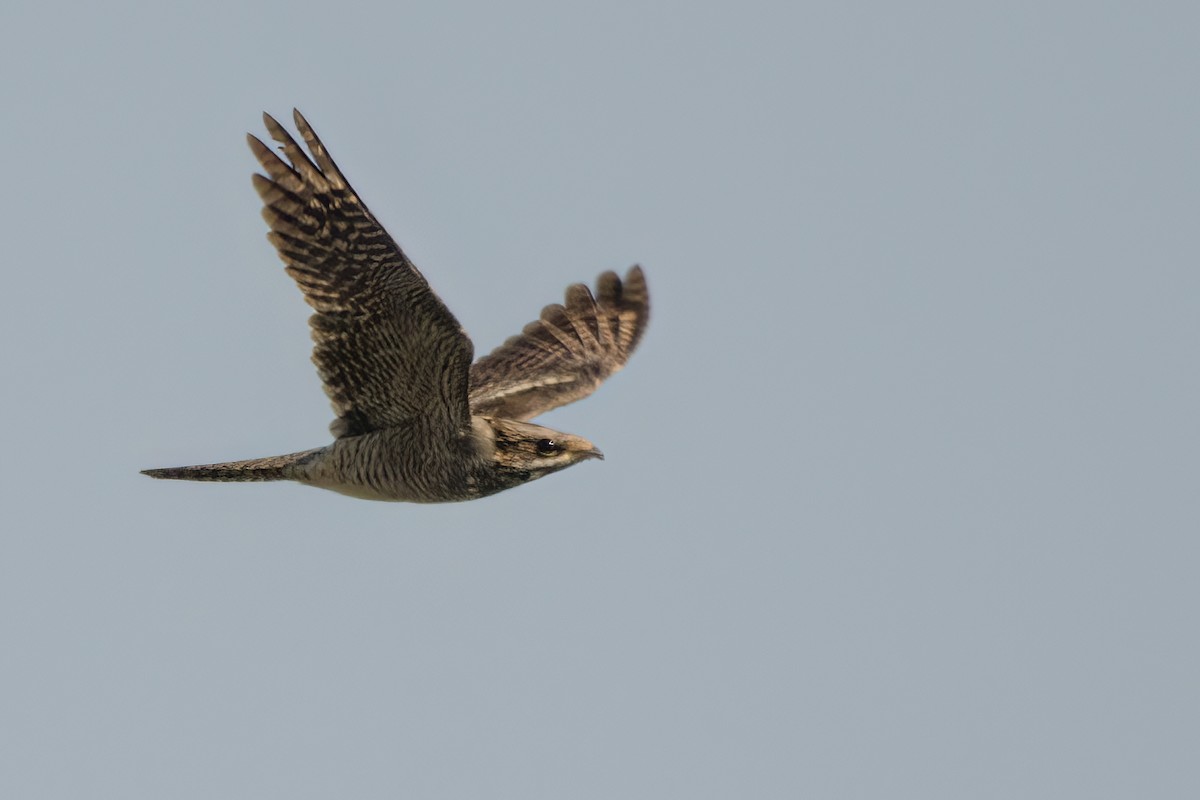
(901, 490)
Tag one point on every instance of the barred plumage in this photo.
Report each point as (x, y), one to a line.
(415, 420)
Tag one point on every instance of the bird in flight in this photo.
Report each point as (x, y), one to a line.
(416, 420)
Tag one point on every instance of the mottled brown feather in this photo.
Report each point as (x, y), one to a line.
(387, 349)
(567, 353)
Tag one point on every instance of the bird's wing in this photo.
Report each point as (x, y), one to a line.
(387, 349)
(566, 354)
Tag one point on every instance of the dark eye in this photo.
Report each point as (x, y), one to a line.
(548, 447)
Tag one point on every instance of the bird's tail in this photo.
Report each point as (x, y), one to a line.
(271, 468)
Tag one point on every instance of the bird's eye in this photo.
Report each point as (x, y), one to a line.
(548, 447)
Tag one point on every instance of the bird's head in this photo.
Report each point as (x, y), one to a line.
(522, 452)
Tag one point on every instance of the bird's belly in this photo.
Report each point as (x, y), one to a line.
(364, 491)
(390, 466)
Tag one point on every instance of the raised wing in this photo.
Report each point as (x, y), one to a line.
(567, 354)
(387, 349)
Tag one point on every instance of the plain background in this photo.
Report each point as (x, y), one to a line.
(901, 489)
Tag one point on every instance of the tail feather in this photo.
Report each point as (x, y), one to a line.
(271, 468)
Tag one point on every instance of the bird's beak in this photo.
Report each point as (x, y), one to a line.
(593, 453)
